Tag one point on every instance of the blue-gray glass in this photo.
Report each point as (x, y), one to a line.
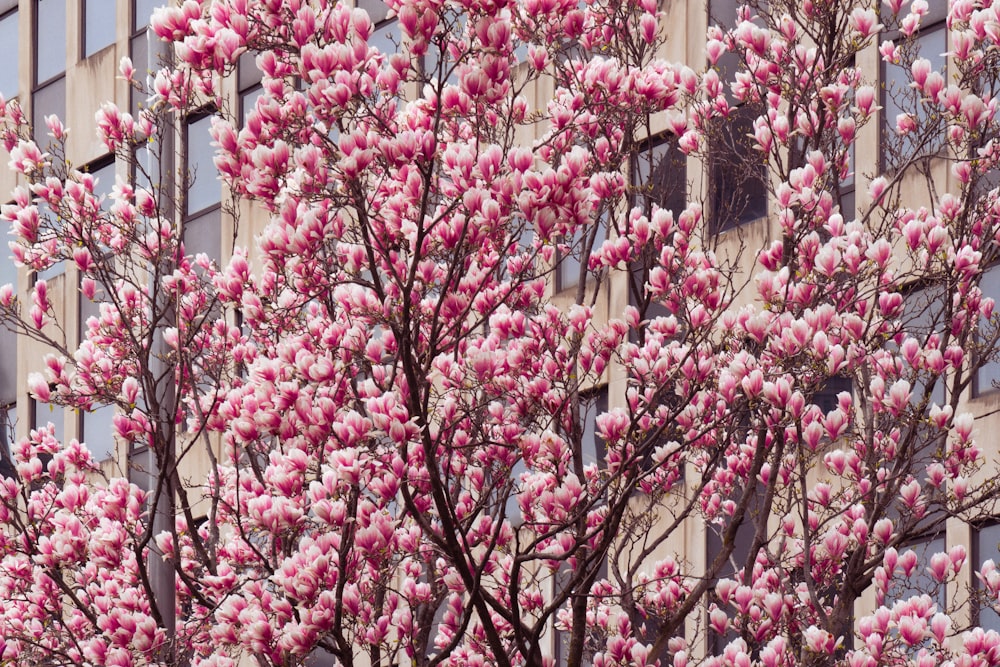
(8, 55)
(900, 98)
(99, 432)
(988, 376)
(46, 413)
(105, 183)
(203, 189)
(8, 339)
(247, 101)
(47, 101)
(50, 42)
(920, 582)
(987, 548)
(204, 234)
(98, 25)
(142, 10)
(139, 52)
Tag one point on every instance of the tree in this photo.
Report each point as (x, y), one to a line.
(396, 405)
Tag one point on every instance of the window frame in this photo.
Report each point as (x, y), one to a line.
(933, 23)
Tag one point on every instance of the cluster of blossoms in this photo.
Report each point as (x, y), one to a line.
(397, 420)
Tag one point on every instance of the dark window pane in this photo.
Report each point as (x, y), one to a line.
(204, 189)
(98, 25)
(737, 187)
(8, 54)
(47, 101)
(247, 73)
(923, 315)
(204, 234)
(50, 39)
(659, 176)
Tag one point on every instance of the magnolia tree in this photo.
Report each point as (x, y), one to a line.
(394, 404)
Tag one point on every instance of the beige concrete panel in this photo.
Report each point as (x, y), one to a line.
(89, 84)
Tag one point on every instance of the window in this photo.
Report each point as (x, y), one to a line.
(203, 190)
(385, 36)
(97, 425)
(986, 546)
(49, 91)
(8, 339)
(8, 48)
(248, 84)
(923, 316)
(920, 582)
(737, 178)
(142, 10)
(43, 413)
(139, 52)
(203, 194)
(50, 39)
(988, 374)
(573, 260)
(931, 42)
(8, 420)
(742, 550)
(658, 175)
(98, 25)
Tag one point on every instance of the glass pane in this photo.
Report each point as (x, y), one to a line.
(104, 177)
(59, 267)
(142, 10)
(570, 266)
(8, 55)
(920, 582)
(900, 98)
(99, 25)
(738, 192)
(659, 176)
(247, 101)
(50, 51)
(247, 74)
(203, 189)
(47, 101)
(593, 444)
(377, 10)
(8, 420)
(44, 413)
(99, 432)
(139, 50)
(385, 37)
(987, 548)
(988, 377)
(204, 234)
(922, 316)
